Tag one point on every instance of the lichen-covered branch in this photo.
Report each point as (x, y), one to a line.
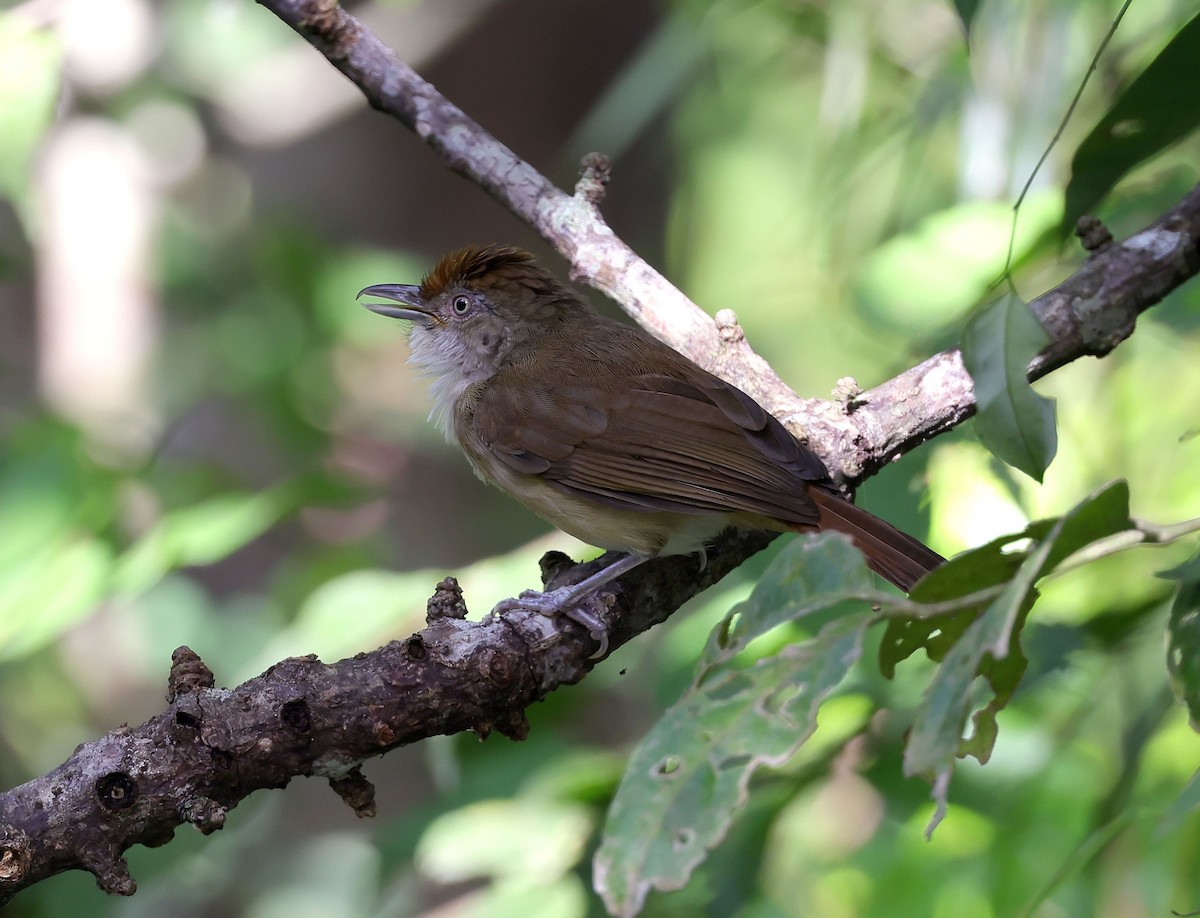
(213, 747)
(571, 223)
(857, 435)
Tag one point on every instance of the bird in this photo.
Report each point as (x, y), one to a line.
(608, 433)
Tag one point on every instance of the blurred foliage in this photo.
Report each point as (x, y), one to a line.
(1183, 636)
(29, 87)
(1158, 108)
(842, 175)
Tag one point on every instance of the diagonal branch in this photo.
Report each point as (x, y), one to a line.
(1088, 314)
(571, 223)
(213, 747)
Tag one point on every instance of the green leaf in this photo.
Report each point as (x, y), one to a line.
(966, 10)
(1012, 420)
(808, 582)
(963, 575)
(48, 592)
(1158, 108)
(29, 87)
(1183, 638)
(989, 645)
(937, 731)
(1102, 514)
(689, 775)
(202, 534)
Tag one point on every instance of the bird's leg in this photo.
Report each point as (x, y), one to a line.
(565, 600)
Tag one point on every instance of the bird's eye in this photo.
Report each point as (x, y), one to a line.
(461, 305)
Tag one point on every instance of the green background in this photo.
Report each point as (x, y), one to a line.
(206, 442)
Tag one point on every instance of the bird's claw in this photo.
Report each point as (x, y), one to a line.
(557, 602)
(596, 629)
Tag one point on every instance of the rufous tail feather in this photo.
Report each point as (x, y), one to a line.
(891, 553)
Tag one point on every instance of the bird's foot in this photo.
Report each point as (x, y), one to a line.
(569, 600)
(562, 601)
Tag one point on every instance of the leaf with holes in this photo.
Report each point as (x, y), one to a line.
(689, 775)
(807, 583)
(972, 572)
(936, 738)
(1012, 420)
(962, 576)
(990, 646)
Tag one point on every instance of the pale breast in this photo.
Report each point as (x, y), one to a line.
(611, 528)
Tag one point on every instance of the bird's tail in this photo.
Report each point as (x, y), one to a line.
(890, 553)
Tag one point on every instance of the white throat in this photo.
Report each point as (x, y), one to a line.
(453, 367)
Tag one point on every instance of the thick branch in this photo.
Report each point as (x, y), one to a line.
(213, 747)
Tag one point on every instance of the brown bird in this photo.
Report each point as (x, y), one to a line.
(606, 432)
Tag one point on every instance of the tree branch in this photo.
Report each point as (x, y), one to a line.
(212, 747)
(1088, 314)
(571, 223)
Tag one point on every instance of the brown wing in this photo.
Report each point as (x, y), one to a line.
(686, 443)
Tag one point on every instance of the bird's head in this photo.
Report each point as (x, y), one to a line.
(473, 309)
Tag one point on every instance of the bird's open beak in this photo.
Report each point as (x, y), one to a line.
(411, 307)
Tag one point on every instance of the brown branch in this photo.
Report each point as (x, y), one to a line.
(571, 223)
(1087, 314)
(213, 747)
